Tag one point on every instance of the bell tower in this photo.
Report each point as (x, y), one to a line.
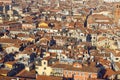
(117, 13)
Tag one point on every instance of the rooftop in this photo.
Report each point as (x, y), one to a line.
(27, 74)
(85, 68)
(42, 77)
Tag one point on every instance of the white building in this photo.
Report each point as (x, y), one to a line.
(112, 0)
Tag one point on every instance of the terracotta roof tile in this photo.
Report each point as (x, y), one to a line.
(4, 71)
(28, 74)
(8, 40)
(109, 73)
(90, 68)
(41, 77)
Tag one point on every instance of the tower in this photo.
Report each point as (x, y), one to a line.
(4, 9)
(10, 12)
(58, 3)
(117, 13)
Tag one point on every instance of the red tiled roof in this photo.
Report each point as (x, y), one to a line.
(28, 74)
(90, 68)
(109, 73)
(41, 77)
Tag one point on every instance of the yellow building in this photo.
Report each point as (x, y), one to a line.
(30, 39)
(42, 68)
(106, 43)
(9, 64)
(112, 44)
(42, 24)
(117, 13)
(102, 42)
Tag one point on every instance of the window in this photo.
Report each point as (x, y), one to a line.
(44, 62)
(44, 68)
(12, 49)
(118, 6)
(117, 58)
(69, 72)
(104, 34)
(82, 74)
(93, 37)
(36, 68)
(66, 72)
(43, 73)
(81, 34)
(89, 75)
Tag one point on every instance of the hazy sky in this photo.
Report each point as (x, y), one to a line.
(112, 0)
